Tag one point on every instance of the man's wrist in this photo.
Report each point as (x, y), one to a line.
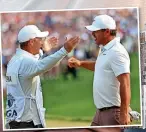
(80, 63)
(124, 112)
(64, 50)
(124, 109)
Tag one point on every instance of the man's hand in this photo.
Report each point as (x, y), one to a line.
(50, 43)
(73, 62)
(124, 119)
(89, 65)
(71, 43)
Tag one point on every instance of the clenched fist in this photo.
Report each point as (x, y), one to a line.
(71, 43)
(73, 62)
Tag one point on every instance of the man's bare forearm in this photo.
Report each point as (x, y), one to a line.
(90, 65)
(125, 99)
(125, 93)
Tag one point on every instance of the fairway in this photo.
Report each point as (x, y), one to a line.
(72, 100)
(63, 123)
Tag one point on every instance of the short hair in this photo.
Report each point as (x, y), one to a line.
(23, 44)
(113, 32)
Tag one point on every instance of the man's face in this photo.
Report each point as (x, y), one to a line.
(36, 45)
(99, 36)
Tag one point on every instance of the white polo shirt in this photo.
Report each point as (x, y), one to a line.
(111, 62)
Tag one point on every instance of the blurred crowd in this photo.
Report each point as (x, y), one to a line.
(64, 24)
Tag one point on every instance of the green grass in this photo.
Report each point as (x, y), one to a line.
(70, 98)
(73, 99)
(135, 83)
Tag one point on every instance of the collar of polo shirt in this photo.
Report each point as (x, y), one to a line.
(25, 53)
(111, 43)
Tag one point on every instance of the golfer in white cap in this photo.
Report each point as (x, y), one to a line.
(111, 85)
(24, 95)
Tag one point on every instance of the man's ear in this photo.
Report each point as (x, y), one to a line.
(31, 41)
(107, 32)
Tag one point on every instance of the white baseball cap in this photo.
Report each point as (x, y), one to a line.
(102, 22)
(30, 32)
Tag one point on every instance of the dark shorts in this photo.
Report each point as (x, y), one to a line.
(23, 125)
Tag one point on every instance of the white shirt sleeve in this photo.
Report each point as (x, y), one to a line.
(120, 63)
(33, 67)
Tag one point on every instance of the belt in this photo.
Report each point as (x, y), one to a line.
(15, 123)
(107, 108)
